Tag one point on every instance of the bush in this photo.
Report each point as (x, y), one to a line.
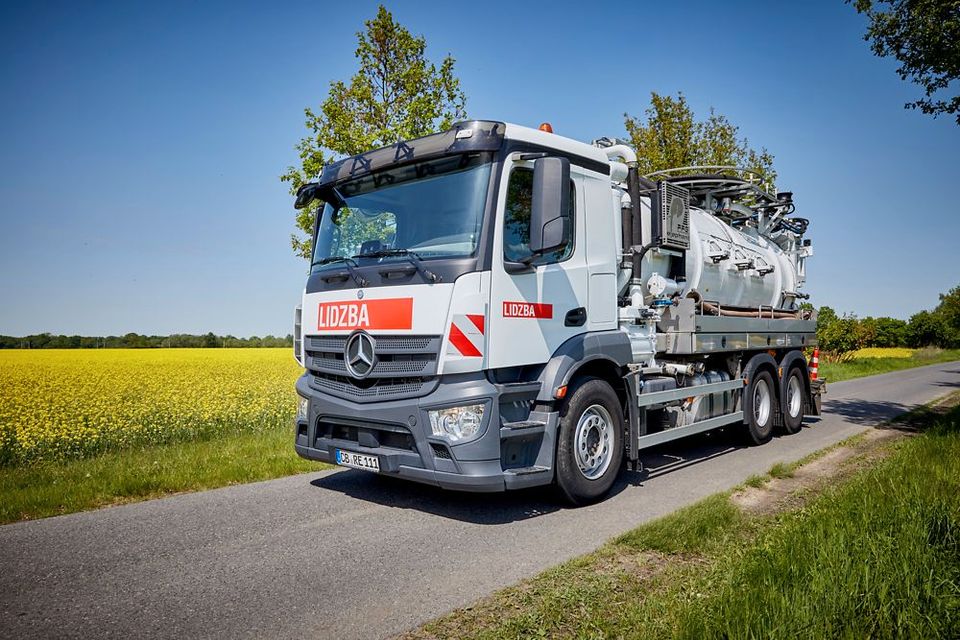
(840, 336)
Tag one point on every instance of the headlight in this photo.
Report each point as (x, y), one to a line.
(303, 408)
(457, 423)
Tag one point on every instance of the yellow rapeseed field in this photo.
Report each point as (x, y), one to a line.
(884, 352)
(58, 404)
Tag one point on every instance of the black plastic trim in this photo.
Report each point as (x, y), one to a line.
(391, 274)
(612, 346)
(575, 317)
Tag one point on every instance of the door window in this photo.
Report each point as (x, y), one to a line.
(516, 220)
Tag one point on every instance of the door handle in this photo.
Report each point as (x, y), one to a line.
(575, 317)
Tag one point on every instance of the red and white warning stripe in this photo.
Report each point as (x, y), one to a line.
(466, 335)
(815, 363)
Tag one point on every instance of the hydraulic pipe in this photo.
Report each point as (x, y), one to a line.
(636, 225)
(626, 221)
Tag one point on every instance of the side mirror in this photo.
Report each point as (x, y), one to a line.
(306, 194)
(550, 206)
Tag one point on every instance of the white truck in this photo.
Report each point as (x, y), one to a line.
(495, 307)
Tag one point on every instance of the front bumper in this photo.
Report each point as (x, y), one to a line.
(504, 456)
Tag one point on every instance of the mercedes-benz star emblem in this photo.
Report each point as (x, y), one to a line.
(359, 354)
(359, 294)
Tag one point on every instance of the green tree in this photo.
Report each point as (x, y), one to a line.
(867, 329)
(825, 317)
(839, 337)
(842, 337)
(671, 136)
(927, 329)
(924, 37)
(949, 309)
(396, 94)
(891, 332)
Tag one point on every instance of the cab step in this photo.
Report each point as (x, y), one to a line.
(524, 424)
(522, 428)
(525, 471)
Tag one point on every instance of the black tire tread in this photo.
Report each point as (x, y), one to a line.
(753, 433)
(791, 425)
(575, 488)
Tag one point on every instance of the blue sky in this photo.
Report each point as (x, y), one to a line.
(141, 143)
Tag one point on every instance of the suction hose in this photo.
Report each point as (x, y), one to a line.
(709, 307)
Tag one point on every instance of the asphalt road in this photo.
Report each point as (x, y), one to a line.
(344, 554)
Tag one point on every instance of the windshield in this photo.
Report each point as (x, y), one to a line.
(432, 209)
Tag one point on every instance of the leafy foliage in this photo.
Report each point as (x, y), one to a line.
(839, 337)
(671, 137)
(949, 308)
(137, 341)
(890, 332)
(924, 36)
(396, 94)
(940, 327)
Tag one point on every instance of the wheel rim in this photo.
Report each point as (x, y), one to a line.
(794, 396)
(761, 403)
(594, 441)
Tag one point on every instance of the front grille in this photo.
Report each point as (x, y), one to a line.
(386, 364)
(326, 343)
(404, 343)
(391, 344)
(375, 389)
(440, 451)
(406, 366)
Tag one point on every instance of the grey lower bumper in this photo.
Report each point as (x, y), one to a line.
(398, 434)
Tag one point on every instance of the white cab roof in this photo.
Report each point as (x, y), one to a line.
(554, 141)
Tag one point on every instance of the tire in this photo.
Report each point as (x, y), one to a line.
(791, 404)
(759, 407)
(589, 442)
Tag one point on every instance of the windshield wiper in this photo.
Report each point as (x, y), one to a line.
(349, 263)
(411, 256)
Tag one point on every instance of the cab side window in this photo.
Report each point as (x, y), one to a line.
(516, 220)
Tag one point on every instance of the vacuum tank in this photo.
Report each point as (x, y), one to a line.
(724, 238)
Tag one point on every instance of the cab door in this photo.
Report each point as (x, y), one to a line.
(534, 310)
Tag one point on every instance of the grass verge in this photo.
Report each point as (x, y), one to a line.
(872, 552)
(872, 364)
(47, 489)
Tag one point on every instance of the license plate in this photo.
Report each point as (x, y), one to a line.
(358, 461)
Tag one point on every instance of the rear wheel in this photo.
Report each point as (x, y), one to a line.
(758, 407)
(793, 392)
(590, 442)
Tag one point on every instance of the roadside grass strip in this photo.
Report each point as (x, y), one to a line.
(861, 541)
(55, 488)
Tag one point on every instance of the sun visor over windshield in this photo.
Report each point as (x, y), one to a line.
(463, 137)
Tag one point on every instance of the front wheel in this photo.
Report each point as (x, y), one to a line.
(590, 442)
(759, 407)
